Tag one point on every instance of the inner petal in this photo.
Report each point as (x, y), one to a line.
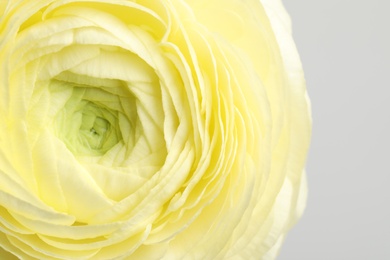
(86, 127)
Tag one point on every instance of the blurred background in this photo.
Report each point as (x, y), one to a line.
(345, 49)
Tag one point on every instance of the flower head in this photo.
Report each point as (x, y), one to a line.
(155, 129)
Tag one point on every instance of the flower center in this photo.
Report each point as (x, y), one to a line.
(86, 127)
(95, 129)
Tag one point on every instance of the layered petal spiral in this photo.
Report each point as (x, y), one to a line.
(149, 129)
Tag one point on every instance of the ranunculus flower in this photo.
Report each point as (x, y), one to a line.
(149, 129)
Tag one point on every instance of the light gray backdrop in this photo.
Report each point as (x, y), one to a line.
(345, 50)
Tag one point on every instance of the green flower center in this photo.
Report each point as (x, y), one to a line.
(95, 130)
(87, 127)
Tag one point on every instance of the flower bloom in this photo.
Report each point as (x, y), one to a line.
(149, 129)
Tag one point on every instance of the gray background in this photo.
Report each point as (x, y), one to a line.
(345, 50)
